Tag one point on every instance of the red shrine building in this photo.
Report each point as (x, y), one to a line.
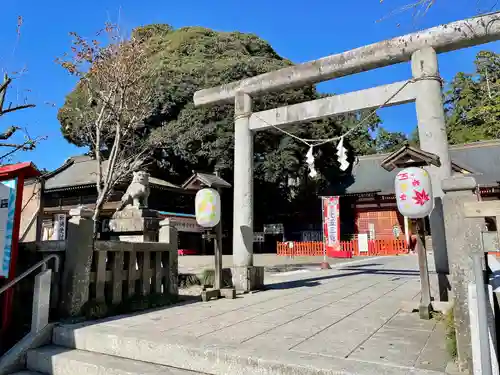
(369, 203)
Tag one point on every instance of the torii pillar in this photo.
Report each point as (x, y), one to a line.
(246, 277)
(433, 139)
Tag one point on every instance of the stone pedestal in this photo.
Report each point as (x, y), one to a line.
(168, 234)
(78, 259)
(135, 225)
(247, 279)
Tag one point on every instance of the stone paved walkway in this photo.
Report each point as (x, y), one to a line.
(348, 318)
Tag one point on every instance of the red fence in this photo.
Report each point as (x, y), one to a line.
(375, 248)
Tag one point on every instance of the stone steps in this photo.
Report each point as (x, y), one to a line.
(200, 356)
(55, 360)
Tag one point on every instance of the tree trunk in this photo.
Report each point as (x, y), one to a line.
(97, 212)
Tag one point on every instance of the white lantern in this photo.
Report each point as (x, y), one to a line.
(207, 208)
(414, 193)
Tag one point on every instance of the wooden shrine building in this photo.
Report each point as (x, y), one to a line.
(47, 201)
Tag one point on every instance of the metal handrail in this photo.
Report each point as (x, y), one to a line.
(42, 263)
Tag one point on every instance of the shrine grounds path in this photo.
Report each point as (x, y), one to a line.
(348, 320)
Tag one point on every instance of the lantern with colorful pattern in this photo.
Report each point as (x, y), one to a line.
(414, 193)
(207, 208)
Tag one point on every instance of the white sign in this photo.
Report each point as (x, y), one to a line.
(258, 237)
(371, 231)
(7, 212)
(414, 193)
(186, 224)
(363, 242)
(311, 236)
(273, 228)
(59, 227)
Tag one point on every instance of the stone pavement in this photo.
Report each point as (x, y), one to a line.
(346, 320)
(198, 263)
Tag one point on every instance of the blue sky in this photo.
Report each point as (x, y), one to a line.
(298, 30)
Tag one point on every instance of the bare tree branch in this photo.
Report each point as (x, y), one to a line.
(420, 8)
(116, 81)
(29, 143)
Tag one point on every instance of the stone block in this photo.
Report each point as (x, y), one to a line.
(134, 220)
(207, 295)
(135, 225)
(247, 279)
(41, 301)
(229, 293)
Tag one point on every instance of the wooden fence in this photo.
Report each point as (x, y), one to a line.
(375, 248)
(124, 269)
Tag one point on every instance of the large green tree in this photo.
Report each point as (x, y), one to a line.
(473, 102)
(191, 58)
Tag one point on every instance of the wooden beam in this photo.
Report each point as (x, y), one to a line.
(444, 38)
(482, 209)
(335, 105)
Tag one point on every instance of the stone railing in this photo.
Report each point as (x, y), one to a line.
(121, 270)
(109, 272)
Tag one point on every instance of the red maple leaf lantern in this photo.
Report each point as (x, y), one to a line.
(413, 190)
(421, 197)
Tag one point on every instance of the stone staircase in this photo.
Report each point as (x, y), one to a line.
(94, 350)
(63, 358)
(57, 360)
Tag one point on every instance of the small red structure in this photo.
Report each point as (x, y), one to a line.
(15, 175)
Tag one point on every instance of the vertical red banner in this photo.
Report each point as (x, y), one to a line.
(331, 224)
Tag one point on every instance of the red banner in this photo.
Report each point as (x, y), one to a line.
(331, 224)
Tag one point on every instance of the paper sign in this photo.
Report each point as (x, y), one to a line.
(331, 225)
(363, 242)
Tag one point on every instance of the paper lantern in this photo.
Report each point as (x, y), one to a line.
(207, 208)
(414, 193)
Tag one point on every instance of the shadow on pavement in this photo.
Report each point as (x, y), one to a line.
(315, 281)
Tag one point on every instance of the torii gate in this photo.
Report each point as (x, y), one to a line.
(421, 48)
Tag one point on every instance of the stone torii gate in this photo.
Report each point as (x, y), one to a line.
(421, 48)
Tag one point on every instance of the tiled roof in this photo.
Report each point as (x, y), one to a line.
(81, 170)
(482, 159)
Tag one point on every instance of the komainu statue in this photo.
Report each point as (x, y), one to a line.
(137, 192)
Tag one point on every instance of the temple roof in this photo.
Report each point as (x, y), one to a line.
(199, 180)
(480, 160)
(80, 171)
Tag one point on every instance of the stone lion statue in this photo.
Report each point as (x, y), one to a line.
(137, 192)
